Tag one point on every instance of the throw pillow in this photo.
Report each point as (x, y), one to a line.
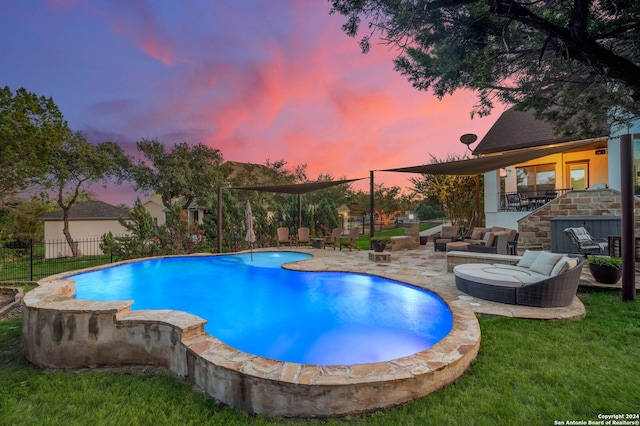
(476, 235)
(490, 239)
(528, 258)
(560, 267)
(545, 262)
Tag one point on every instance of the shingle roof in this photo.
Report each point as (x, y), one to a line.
(89, 210)
(519, 129)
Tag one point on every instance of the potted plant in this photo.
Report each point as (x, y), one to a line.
(605, 270)
(380, 243)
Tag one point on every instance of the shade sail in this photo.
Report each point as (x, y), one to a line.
(479, 165)
(297, 188)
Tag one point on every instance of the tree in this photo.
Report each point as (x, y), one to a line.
(429, 209)
(19, 218)
(185, 172)
(387, 199)
(77, 164)
(325, 217)
(181, 236)
(280, 175)
(359, 202)
(574, 63)
(454, 193)
(30, 128)
(232, 219)
(142, 238)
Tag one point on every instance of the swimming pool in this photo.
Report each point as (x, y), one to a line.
(256, 306)
(60, 331)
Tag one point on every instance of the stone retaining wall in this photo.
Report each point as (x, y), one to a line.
(62, 332)
(535, 229)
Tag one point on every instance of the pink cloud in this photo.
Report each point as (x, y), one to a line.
(305, 97)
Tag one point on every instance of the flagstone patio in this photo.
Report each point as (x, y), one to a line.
(426, 268)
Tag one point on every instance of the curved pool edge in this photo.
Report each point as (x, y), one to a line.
(65, 333)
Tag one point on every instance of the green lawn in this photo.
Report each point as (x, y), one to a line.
(528, 372)
(364, 241)
(20, 269)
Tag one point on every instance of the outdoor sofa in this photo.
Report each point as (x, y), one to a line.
(540, 279)
(497, 239)
(447, 234)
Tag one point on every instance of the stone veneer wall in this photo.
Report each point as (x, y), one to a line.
(535, 229)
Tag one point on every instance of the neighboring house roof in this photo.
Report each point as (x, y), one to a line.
(152, 202)
(89, 210)
(519, 129)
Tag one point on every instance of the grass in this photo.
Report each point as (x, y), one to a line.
(527, 372)
(20, 269)
(364, 241)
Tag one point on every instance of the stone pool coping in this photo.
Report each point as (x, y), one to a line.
(62, 332)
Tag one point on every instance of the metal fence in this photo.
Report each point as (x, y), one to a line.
(33, 260)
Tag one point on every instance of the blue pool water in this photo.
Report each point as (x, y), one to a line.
(323, 318)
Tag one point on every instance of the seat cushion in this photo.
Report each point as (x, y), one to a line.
(500, 275)
(448, 231)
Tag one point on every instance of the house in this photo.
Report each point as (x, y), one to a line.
(88, 221)
(583, 179)
(156, 209)
(196, 212)
(587, 163)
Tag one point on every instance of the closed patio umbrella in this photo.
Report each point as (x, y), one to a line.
(251, 236)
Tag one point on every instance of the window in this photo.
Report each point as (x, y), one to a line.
(535, 180)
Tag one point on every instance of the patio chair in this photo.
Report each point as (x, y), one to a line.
(351, 239)
(550, 195)
(516, 202)
(512, 245)
(334, 238)
(447, 234)
(497, 243)
(585, 243)
(303, 237)
(283, 236)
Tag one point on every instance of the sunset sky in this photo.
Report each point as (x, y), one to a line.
(255, 79)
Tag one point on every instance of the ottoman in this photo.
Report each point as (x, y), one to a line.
(457, 246)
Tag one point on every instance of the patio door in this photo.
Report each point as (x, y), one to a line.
(578, 176)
